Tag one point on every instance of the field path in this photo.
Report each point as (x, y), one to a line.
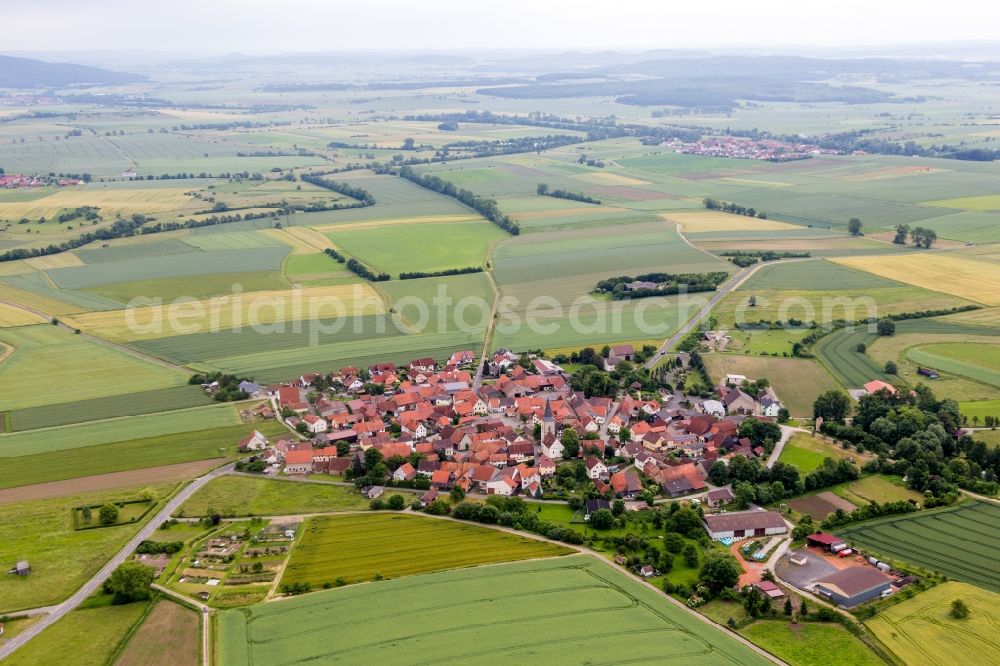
(733, 283)
(56, 612)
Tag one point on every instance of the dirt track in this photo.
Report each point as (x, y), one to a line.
(85, 484)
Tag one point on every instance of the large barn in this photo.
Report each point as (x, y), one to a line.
(744, 524)
(854, 585)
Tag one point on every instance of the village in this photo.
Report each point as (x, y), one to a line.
(764, 149)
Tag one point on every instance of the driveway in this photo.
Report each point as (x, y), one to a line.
(805, 575)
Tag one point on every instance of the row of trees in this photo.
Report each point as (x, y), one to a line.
(543, 190)
(744, 258)
(364, 197)
(667, 284)
(486, 207)
(712, 203)
(413, 275)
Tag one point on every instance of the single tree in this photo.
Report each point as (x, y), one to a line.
(832, 405)
(959, 610)
(854, 226)
(130, 582)
(890, 368)
(397, 502)
(570, 440)
(788, 606)
(87, 514)
(861, 348)
(690, 554)
(542, 188)
(108, 515)
(602, 519)
(885, 327)
(457, 495)
(721, 571)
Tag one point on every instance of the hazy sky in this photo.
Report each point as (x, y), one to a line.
(271, 26)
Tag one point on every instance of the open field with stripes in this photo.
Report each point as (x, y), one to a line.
(574, 605)
(960, 542)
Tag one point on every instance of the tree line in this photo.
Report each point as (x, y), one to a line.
(729, 207)
(414, 275)
(363, 196)
(744, 258)
(543, 190)
(486, 207)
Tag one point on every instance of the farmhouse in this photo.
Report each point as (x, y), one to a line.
(877, 385)
(854, 585)
(744, 524)
(299, 461)
(718, 497)
(253, 442)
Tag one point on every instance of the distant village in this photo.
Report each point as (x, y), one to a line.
(749, 149)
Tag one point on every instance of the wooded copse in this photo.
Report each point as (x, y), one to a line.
(744, 258)
(920, 236)
(666, 284)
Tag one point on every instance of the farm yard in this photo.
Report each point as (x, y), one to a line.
(548, 592)
(959, 541)
(418, 545)
(920, 630)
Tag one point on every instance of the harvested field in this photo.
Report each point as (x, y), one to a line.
(820, 506)
(169, 636)
(891, 172)
(613, 178)
(418, 545)
(15, 316)
(61, 260)
(573, 607)
(703, 221)
(302, 239)
(977, 281)
(111, 481)
(628, 193)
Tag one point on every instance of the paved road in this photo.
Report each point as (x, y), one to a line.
(59, 610)
(729, 286)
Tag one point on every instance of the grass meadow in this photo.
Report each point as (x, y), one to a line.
(807, 452)
(62, 558)
(244, 496)
(562, 609)
(392, 545)
(90, 635)
(797, 382)
(810, 643)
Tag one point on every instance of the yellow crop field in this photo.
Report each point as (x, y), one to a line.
(975, 280)
(921, 631)
(38, 302)
(604, 178)
(564, 212)
(61, 260)
(261, 308)
(12, 316)
(112, 201)
(15, 268)
(981, 202)
(299, 243)
(702, 221)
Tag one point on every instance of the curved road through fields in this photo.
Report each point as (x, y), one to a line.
(59, 610)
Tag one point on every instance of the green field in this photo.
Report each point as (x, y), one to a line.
(810, 643)
(62, 558)
(98, 409)
(198, 286)
(51, 365)
(63, 438)
(564, 610)
(980, 362)
(815, 275)
(921, 631)
(838, 352)
(396, 248)
(960, 542)
(982, 409)
(155, 451)
(415, 545)
(244, 496)
(876, 488)
(90, 635)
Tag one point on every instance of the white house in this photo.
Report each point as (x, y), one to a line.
(769, 405)
(315, 424)
(596, 469)
(553, 449)
(254, 442)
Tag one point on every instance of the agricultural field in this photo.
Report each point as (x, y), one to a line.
(977, 361)
(62, 558)
(91, 635)
(169, 635)
(92, 433)
(244, 496)
(876, 488)
(417, 545)
(708, 221)
(598, 602)
(428, 247)
(838, 351)
(797, 382)
(952, 273)
(980, 410)
(85, 368)
(960, 542)
(921, 630)
(810, 643)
